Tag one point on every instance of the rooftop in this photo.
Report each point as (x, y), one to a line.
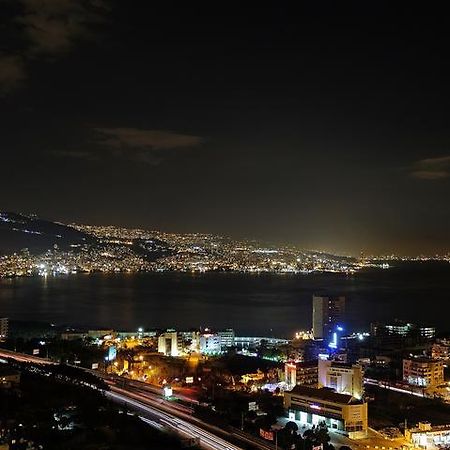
(421, 359)
(325, 394)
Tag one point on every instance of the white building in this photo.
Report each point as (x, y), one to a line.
(226, 338)
(428, 437)
(341, 377)
(341, 412)
(170, 344)
(210, 344)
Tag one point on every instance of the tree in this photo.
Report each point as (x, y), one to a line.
(308, 434)
(321, 436)
(291, 427)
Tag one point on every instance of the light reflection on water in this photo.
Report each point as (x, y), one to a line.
(252, 304)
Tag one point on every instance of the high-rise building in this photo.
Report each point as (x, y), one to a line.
(170, 343)
(328, 313)
(3, 328)
(343, 378)
(425, 372)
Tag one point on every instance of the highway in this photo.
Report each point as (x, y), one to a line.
(22, 357)
(145, 396)
(154, 416)
(163, 414)
(390, 387)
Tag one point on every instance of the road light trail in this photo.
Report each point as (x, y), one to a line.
(207, 440)
(179, 416)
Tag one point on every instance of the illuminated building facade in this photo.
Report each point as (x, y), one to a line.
(3, 328)
(304, 335)
(425, 372)
(340, 412)
(170, 343)
(301, 373)
(210, 344)
(341, 377)
(428, 437)
(328, 313)
(441, 349)
(245, 342)
(226, 338)
(402, 329)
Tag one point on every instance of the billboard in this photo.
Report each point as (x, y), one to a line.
(167, 391)
(112, 353)
(268, 435)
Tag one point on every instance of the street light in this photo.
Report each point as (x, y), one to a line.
(43, 344)
(276, 428)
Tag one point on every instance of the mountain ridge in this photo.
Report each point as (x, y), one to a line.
(20, 231)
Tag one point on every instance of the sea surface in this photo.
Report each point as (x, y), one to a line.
(266, 305)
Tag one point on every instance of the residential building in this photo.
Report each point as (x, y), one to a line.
(340, 412)
(301, 373)
(441, 349)
(328, 313)
(226, 338)
(425, 372)
(210, 344)
(343, 378)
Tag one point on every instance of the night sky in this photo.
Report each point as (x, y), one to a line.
(325, 126)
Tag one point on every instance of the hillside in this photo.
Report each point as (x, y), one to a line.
(18, 231)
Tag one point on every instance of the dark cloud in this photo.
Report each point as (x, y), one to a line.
(46, 28)
(12, 73)
(145, 146)
(431, 168)
(53, 26)
(145, 139)
(74, 154)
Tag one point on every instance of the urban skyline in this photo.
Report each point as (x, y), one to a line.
(224, 225)
(322, 127)
(38, 247)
